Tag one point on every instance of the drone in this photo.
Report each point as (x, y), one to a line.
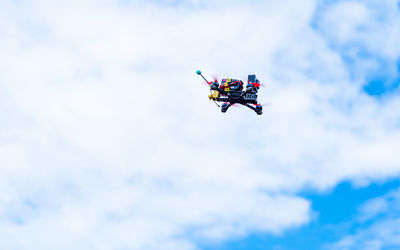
(230, 92)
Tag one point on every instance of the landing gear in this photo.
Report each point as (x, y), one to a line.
(224, 107)
(258, 109)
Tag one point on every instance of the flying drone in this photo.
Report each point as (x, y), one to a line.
(230, 92)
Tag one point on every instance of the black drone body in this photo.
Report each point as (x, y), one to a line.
(230, 92)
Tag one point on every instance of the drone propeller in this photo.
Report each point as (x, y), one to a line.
(236, 105)
(258, 85)
(263, 104)
(215, 78)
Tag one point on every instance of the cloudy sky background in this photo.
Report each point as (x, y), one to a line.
(108, 139)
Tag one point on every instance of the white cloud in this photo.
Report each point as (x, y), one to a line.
(109, 141)
(366, 33)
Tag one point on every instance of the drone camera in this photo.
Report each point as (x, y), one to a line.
(252, 79)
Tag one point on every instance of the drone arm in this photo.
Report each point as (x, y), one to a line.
(250, 106)
(258, 111)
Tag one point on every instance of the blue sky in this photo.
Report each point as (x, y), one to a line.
(108, 139)
(336, 214)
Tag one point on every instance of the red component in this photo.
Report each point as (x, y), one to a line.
(256, 84)
(215, 80)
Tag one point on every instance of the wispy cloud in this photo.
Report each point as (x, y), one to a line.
(379, 225)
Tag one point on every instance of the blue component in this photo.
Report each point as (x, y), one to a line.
(198, 72)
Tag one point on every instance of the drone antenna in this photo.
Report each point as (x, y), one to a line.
(199, 73)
